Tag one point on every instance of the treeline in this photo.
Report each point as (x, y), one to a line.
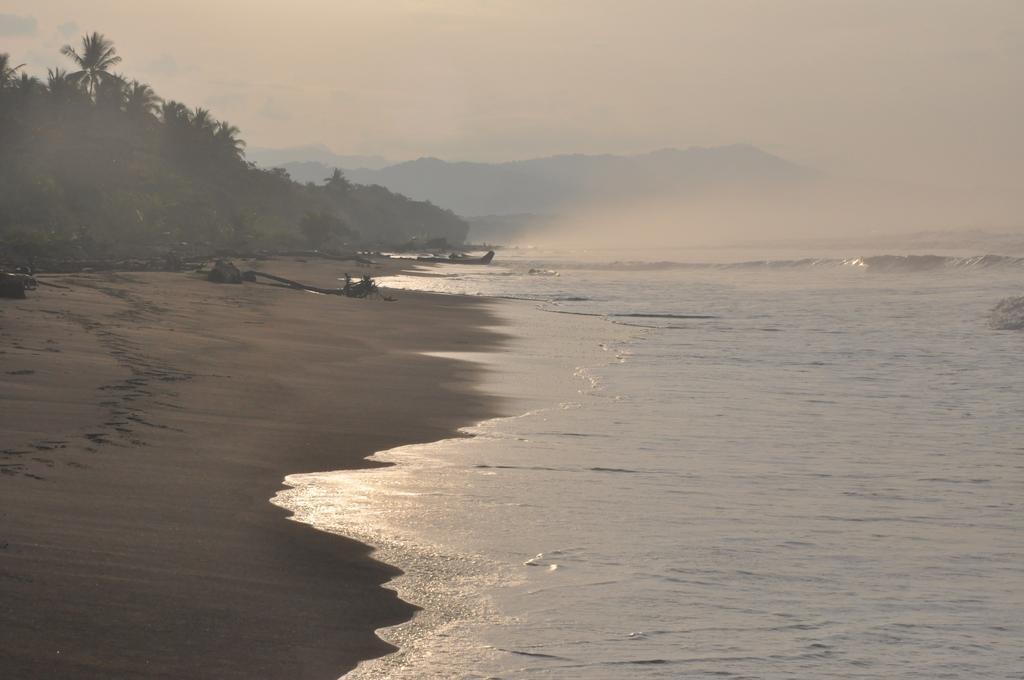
(93, 163)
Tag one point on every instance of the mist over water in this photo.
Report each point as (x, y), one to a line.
(802, 210)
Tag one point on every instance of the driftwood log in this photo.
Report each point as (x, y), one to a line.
(362, 288)
(41, 282)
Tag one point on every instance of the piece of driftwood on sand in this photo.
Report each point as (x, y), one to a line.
(362, 288)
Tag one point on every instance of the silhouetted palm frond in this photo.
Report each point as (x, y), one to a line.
(62, 86)
(8, 73)
(202, 120)
(140, 99)
(227, 137)
(27, 84)
(175, 113)
(112, 93)
(98, 55)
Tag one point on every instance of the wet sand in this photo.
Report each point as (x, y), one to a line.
(146, 421)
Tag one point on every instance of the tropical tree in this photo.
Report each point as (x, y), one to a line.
(65, 99)
(91, 149)
(61, 85)
(112, 93)
(8, 72)
(201, 120)
(174, 114)
(97, 56)
(337, 183)
(227, 138)
(27, 84)
(140, 100)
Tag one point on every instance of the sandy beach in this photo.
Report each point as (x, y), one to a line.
(147, 420)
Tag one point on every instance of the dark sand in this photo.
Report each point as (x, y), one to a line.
(145, 422)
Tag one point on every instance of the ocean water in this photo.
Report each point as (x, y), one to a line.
(785, 468)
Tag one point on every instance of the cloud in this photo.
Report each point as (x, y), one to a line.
(12, 24)
(272, 109)
(68, 29)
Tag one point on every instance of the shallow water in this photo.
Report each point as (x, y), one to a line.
(821, 479)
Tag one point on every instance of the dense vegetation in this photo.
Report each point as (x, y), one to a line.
(92, 163)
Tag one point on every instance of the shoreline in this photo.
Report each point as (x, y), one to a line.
(150, 418)
(417, 509)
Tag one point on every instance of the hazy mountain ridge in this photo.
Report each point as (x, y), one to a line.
(550, 184)
(310, 154)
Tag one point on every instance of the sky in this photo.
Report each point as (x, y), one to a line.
(919, 91)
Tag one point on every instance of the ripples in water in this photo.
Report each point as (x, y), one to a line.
(821, 478)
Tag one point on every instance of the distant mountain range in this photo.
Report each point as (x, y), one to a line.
(549, 185)
(311, 155)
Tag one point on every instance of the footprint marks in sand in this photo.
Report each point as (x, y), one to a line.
(126, 400)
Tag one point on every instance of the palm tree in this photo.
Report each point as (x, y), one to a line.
(63, 89)
(202, 120)
(227, 137)
(174, 114)
(177, 133)
(27, 84)
(112, 93)
(58, 82)
(338, 183)
(8, 73)
(140, 100)
(97, 56)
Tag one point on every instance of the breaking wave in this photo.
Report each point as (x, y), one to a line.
(874, 263)
(913, 263)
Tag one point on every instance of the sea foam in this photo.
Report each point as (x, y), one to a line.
(1008, 315)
